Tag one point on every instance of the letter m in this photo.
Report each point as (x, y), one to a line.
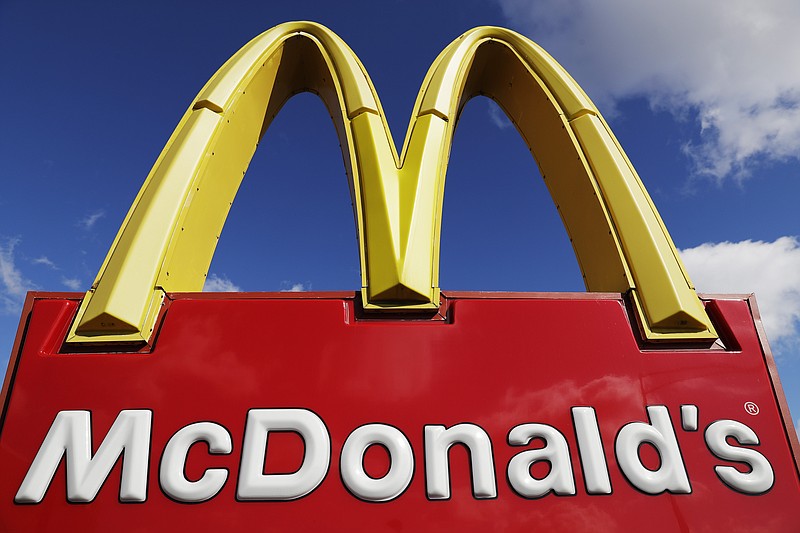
(71, 435)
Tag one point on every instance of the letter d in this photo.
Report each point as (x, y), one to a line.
(254, 484)
(671, 473)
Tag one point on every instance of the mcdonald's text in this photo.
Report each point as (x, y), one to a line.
(70, 433)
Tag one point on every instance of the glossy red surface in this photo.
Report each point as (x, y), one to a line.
(497, 363)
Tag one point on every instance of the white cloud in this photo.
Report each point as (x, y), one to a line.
(216, 283)
(14, 284)
(497, 116)
(44, 260)
(91, 219)
(733, 62)
(769, 269)
(72, 283)
(289, 286)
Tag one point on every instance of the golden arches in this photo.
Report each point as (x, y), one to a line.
(168, 238)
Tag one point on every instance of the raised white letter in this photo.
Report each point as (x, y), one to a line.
(590, 450)
(71, 433)
(671, 473)
(254, 484)
(760, 477)
(173, 462)
(556, 452)
(438, 441)
(401, 466)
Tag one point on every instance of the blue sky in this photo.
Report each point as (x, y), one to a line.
(702, 98)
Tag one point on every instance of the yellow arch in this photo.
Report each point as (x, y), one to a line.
(168, 237)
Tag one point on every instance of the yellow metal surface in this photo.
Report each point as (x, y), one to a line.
(168, 237)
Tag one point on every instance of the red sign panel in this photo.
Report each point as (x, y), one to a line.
(501, 412)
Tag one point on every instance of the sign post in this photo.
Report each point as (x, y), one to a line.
(639, 405)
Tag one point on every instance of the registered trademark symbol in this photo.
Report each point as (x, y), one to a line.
(751, 408)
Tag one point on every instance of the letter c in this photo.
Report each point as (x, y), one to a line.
(173, 462)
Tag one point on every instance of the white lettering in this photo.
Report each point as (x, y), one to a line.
(556, 452)
(71, 434)
(760, 478)
(671, 473)
(254, 484)
(173, 463)
(128, 441)
(590, 450)
(438, 441)
(401, 468)
(689, 417)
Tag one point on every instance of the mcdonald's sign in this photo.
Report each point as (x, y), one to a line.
(144, 404)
